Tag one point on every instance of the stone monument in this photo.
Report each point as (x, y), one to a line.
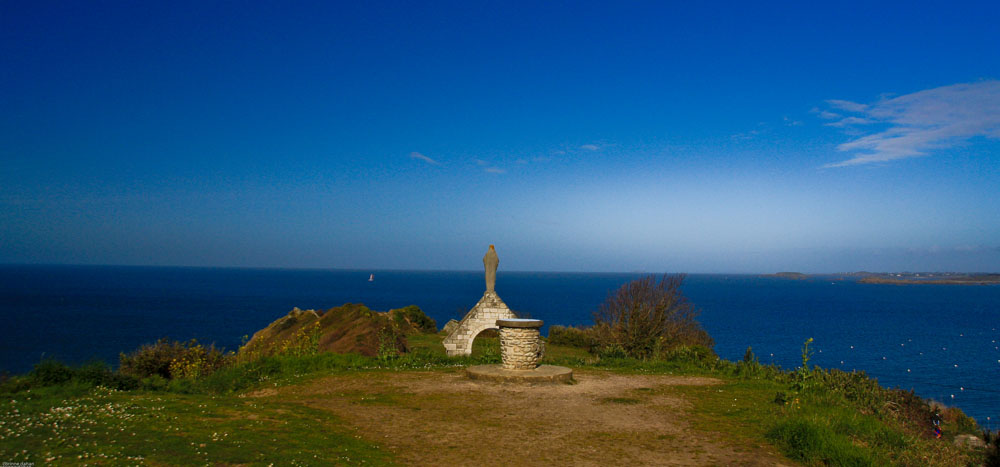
(481, 317)
(520, 342)
(490, 263)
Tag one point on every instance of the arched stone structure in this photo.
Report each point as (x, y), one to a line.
(481, 317)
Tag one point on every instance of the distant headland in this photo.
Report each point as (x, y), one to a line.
(901, 278)
(788, 275)
(932, 278)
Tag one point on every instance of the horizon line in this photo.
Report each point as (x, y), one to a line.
(315, 268)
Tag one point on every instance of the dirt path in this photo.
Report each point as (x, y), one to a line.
(443, 418)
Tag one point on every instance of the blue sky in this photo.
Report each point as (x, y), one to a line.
(689, 137)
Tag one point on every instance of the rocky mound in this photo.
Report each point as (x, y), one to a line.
(351, 328)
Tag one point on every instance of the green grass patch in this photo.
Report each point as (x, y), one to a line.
(113, 427)
(814, 427)
(811, 440)
(63, 415)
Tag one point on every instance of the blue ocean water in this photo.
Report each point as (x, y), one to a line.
(941, 341)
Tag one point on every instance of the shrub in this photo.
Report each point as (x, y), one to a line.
(612, 351)
(751, 368)
(691, 354)
(181, 386)
(647, 317)
(992, 454)
(962, 422)
(49, 372)
(98, 373)
(414, 317)
(172, 359)
(153, 383)
(570, 336)
(52, 372)
(386, 345)
(304, 342)
(814, 442)
(196, 361)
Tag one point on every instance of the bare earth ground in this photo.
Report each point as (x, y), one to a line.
(443, 418)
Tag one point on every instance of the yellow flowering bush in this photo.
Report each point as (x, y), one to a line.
(305, 341)
(172, 360)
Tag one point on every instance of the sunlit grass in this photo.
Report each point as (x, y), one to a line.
(119, 428)
(809, 416)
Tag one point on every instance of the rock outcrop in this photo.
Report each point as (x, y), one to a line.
(351, 328)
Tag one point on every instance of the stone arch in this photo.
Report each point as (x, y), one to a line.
(475, 333)
(481, 317)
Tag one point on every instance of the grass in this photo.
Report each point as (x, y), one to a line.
(816, 427)
(119, 428)
(70, 416)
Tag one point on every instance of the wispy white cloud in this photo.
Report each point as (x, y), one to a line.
(495, 170)
(921, 122)
(825, 114)
(532, 160)
(791, 122)
(418, 156)
(848, 121)
(590, 147)
(847, 105)
(481, 162)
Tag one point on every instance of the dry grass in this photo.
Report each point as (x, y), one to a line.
(441, 418)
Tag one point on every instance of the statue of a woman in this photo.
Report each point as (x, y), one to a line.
(490, 262)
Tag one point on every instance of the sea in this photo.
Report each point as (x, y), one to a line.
(941, 341)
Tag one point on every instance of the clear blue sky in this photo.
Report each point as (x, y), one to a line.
(687, 137)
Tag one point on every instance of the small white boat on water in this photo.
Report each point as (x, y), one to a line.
(371, 278)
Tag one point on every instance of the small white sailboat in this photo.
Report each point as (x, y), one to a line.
(371, 278)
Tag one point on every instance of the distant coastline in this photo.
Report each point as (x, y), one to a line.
(972, 279)
(904, 278)
(798, 276)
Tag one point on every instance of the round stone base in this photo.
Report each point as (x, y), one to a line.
(542, 374)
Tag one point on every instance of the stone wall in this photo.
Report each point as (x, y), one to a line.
(521, 348)
(481, 317)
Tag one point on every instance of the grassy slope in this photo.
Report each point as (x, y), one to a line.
(213, 421)
(69, 425)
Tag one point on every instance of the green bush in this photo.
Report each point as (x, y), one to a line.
(570, 336)
(751, 368)
(414, 317)
(153, 383)
(691, 354)
(612, 351)
(172, 359)
(962, 422)
(50, 372)
(98, 373)
(181, 386)
(814, 442)
(992, 454)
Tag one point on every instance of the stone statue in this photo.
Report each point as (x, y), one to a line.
(490, 262)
